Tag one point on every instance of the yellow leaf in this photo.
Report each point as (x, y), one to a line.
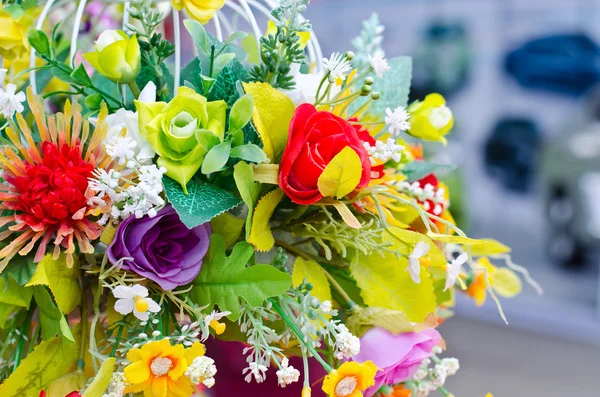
(271, 115)
(66, 384)
(435, 256)
(385, 283)
(314, 274)
(362, 319)
(108, 234)
(62, 280)
(342, 174)
(101, 380)
(347, 215)
(228, 226)
(261, 236)
(47, 362)
(267, 173)
(507, 283)
(489, 247)
(454, 239)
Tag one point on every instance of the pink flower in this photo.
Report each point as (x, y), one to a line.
(396, 356)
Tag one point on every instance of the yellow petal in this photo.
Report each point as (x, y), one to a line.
(261, 236)
(137, 372)
(342, 174)
(159, 387)
(196, 350)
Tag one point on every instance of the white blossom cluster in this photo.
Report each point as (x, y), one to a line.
(10, 101)
(122, 150)
(202, 370)
(384, 151)
(425, 194)
(287, 374)
(346, 344)
(126, 196)
(430, 378)
(397, 120)
(379, 64)
(116, 388)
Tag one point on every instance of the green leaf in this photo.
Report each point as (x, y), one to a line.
(228, 226)
(249, 152)
(191, 72)
(395, 86)
(420, 169)
(207, 83)
(39, 41)
(216, 158)
(241, 113)
(52, 321)
(5, 312)
(102, 379)
(21, 268)
(47, 362)
(66, 384)
(202, 203)
(199, 35)
(221, 61)
(243, 174)
(225, 88)
(62, 280)
(363, 319)
(234, 37)
(81, 77)
(224, 280)
(11, 293)
(489, 247)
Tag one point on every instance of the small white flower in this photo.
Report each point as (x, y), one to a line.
(384, 151)
(453, 270)
(10, 101)
(346, 344)
(379, 64)
(414, 266)
(202, 369)
(212, 320)
(116, 388)
(420, 374)
(134, 299)
(326, 307)
(397, 120)
(287, 374)
(121, 149)
(258, 371)
(337, 65)
(439, 375)
(451, 364)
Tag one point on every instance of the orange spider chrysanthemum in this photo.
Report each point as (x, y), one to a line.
(46, 184)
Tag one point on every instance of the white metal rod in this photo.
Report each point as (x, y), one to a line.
(218, 27)
(125, 22)
(177, 38)
(32, 57)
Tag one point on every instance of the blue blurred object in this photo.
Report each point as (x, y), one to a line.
(568, 64)
(511, 152)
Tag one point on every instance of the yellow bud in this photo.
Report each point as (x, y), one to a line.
(217, 326)
(141, 304)
(306, 392)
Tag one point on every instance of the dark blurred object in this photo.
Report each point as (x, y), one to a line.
(567, 64)
(570, 183)
(511, 153)
(230, 381)
(441, 60)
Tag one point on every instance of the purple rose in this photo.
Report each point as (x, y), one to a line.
(163, 249)
(397, 357)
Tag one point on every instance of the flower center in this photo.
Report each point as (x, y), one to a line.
(141, 304)
(440, 117)
(161, 366)
(183, 125)
(52, 192)
(346, 386)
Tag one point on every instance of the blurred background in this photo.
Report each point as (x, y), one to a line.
(521, 77)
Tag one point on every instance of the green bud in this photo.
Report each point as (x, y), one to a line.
(369, 80)
(375, 95)
(308, 286)
(350, 55)
(93, 101)
(365, 90)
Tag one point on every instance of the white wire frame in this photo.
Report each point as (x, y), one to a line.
(243, 8)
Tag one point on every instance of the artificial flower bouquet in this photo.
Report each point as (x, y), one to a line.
(251, 195)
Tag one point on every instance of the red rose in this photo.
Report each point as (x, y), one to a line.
(315, 138)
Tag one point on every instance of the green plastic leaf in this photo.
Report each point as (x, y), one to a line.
(198, 33)
(62, 280)
(66, 384)
(228, 226)
(202, 203)
(102, 379)
(11, 293)
(225, 88)
(52, 320)
(221, 61)
(420, 169)
(243, 174)
(216, 158)
(394, 321)
(81, 77)
(241, 113)
(191, 73)
(225, 279)
(395, 86)
(47, 362)
(5, 312)
(39, 41)
(249, 152)
(21, 268)
(489, 247)
(234, 37)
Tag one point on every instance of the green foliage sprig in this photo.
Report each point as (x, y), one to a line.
(282, 49)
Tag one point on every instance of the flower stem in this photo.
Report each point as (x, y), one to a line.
(134, 89)
(299, 335)
(84, 323)
(23, 335)
(113, 352)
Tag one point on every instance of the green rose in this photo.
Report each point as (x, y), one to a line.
(182, 131)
